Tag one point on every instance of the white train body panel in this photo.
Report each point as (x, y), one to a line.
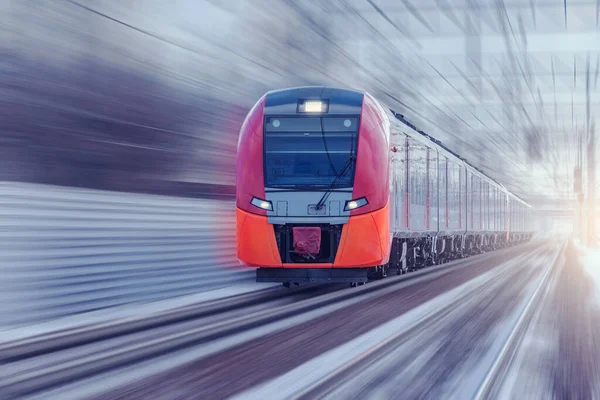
(438, 194)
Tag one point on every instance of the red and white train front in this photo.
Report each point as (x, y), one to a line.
(313, 186)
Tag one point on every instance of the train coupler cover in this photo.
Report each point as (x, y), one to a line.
(307, 241)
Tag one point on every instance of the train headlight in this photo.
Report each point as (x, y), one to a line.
(354, 204)
(263, 204)
(313, 106)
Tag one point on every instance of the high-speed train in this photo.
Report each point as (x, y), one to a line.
(334, 187)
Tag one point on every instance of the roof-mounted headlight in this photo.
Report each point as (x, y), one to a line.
(313, 106)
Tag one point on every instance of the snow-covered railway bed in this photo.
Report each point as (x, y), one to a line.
(557, 357)
(454, 346)
(422, 335)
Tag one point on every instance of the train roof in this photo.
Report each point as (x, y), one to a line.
(316, 89)
(288, 101)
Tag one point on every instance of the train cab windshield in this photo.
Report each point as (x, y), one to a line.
(310, 152)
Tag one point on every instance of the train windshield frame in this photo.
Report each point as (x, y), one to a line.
(310, 152)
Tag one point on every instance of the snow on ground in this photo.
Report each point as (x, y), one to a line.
(127, 312)
(591, 263)
(296, 381)
(113, 379)
(528, 375)
(558, 355)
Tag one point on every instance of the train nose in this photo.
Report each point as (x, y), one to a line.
(365, 240)
(256, 244)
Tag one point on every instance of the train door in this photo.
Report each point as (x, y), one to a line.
(400, 181)
(443, 191)
(454, 189)
(433, 195)
(417, 186)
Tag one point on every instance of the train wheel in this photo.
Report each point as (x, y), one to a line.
(379, 272)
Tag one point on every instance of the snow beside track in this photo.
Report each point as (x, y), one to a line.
(591, 263)
(69, 251)
(128, 312)
(295, 382)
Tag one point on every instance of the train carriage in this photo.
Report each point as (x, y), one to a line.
(334, 187)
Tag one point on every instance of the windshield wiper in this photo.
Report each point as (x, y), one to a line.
(326, 149)
(343, 172)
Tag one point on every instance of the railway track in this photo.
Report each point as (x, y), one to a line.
(47, 362)
(492, 383)
(373, 358)
(57, 341)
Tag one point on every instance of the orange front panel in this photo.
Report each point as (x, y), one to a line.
(365, 240)
(382, 220)
(256, 244)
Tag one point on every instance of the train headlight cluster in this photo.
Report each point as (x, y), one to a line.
(263, 204)
(354, 204)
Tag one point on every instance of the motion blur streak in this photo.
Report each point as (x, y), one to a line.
(89, 101)
(149, 98)
(71, 250)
